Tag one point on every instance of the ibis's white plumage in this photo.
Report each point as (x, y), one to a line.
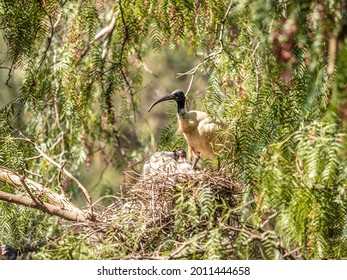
(199, 129)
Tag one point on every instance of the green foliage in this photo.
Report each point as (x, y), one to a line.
(306, 187)
(25, 28)
(170, 140)
(276, 77)
(20, 227)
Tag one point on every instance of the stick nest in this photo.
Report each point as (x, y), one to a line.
(153, 198)
(170, 216)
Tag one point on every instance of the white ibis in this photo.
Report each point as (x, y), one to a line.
(168, 163)
(198, 128)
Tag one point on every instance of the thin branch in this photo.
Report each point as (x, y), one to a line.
(68, 174)
(33, 158)
(176, 254)
(22, 179)
(180, 249)
(231, 4)
(268, 220)
(126, 37)
(60, 181)
(196, 68)
(290, 253)
(190, 83)
(102, 36)
(9, 75)
(106, 31)
(261, 238)
(6, 68)
(60, 167)
(212, 55)
(53, 26)
(32, 173)
(56, 108)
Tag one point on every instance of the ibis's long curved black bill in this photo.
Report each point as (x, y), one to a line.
(165, 98)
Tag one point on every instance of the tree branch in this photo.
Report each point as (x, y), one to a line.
(106, 31)
(38, 190)
(44, 207)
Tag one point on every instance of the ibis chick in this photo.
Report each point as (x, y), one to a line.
(168, 163)
(198, 128)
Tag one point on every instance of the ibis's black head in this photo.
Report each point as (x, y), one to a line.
(177, 95)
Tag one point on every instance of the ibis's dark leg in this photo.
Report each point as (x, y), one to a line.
(195, 162)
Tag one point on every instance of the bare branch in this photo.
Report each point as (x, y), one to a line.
(15, 180)
(106, 31)
(54, 203)
(60, 167)
(44, 207)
